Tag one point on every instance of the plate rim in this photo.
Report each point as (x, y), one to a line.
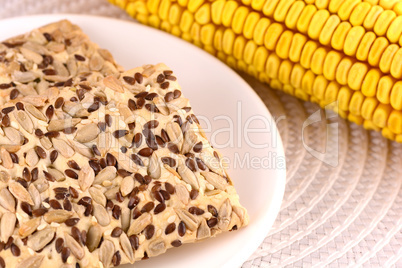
(267, 219)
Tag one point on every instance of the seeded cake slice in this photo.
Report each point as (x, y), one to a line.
(131, 177)
(46, 59)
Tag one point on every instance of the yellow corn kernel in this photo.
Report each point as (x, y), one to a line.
(369, 86)
(242, 66)
(186, 21)
(353, 39)
(356, 103)
(398, 8)
(154, 21)
(317, 61)
(330, 65)
(164, 9)
(387, 133)
(398, 138)
(386, 58)
(276, 84)
(307, 82)
(238, 47)
(372, 17)
(288, 89)
(365, 45)
(207, 34)
(339, 37)
(272, 35)
(217, 10)
(355, 119)
(284, 72)
(143, 18)
(381, 114)
(195, 32)
(239, 19)
(167, 27)
(370, 126)
(228, 40)
(388, 4)
(264, 78)
(376, 51)
(175, 14)
(328, 30)
(346, 8)
(317, 23)
(319, 87)
(331, 94)
(121, 3)
(282, 10)
(218, 39)
(176, 31)
(383, 22)
(203, 14)
(296, 76)
(384, 89)
(310, 2)
(193, 5)
(210, 49)
(183, 3)
(296, 47)
(356, 75)
(257, 4)
(307, 53)
(334, 6)
(395, 30)
(131, 9)
(228, 12)
(294, 13)
(272, 66)
(250, 24)
(252, 71)
(231, 62)
(372, 2)
(249, 52)
(396, 96)
(343, 114)
(269, 7)
(222, 56)
(283, 46)
(260, 30)
(153, 6)
(260, 58)
(359, 14)
(368, 107)
(395, 122)
(140, 8)
(184, 36)
(322, 4)
(344, 96)
(396, 65)
(305, 18)
(342, 72)
(301, 94)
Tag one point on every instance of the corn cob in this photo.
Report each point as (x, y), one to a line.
(322, 51)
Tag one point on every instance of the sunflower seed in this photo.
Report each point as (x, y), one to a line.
(35, 112)
(101, 214)
(28, 227)
(127, 185)
(212, 162)
(31, 158)
(111, 193)
(31, 55)
(74, 246)
(225, 212)
(58, 216)
(190, 139)
(63, 148)
(20, 192)
(87, 133)
(241, 213)
(189, 219)
(86, 177)
(46, 143)
(182, 193)
(177, 104)
(106, 252)
(217, 181)
(81, 149)
(40, 239)
(161, 105)
(6, 159)
(57, 174)
(98, 196)
(188, 176)
(96, 62)
(14, 135)
(94, 236)
(7, 225)
(154, 167)
(126, 247)
(24, 120)
(31, 262)
(156, 247)
(203, 230)
(139, 224)
(35, 195)
(60, 124)
(125, 218)
(107, 173)
(113, 83)
(7, 200)
(175, 135)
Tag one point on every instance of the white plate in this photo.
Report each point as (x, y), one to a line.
(217, 93)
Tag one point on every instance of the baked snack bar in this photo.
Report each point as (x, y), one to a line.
(118, 170)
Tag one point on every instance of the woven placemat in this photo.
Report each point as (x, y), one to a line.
(343, 200)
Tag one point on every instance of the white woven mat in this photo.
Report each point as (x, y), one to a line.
(348, 214)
